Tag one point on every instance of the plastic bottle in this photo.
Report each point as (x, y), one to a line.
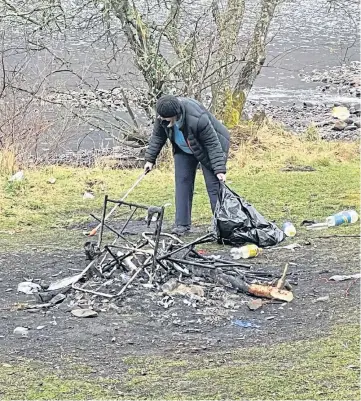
(289, 229)
(345, 217)
(245, 252)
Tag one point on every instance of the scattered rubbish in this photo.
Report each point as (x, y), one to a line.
(19, 176)
(243, 323)
(191, 290)
(317, 226)
(57, 274)
(237, 222)
(51, 180)
(64, 282)
(289, 229)
(170, 285)
(245, 252)
(230, 305)
(270, 291)
(84, 313)
(27, 287)
(341, 112)
(308, 222)
(88, 195)
(44, 296)
(40, 327)
(154, 260)
(166, 302)
(21, 331)
(270, 317)
(345, 277)
(345, 217)
(190, 303)
(6, 365)
(255, 304)
(290, 247)
(8, 289)
(355, 367)
(322, 299)
(57, 299)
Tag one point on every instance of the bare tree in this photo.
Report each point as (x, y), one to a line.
(144, 49)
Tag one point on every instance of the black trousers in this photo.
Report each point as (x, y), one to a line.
(185, 173)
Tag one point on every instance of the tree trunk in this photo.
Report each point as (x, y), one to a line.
(254, 60)
(228, 23)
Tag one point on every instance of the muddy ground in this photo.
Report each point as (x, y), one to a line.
(142, 327)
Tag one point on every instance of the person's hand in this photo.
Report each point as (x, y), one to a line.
(148, 167)
(221, 177)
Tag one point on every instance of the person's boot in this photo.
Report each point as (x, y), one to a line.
(181, 230)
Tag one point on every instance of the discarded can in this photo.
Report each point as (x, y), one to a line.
(289, 229)
(245, 252)
(345, 217)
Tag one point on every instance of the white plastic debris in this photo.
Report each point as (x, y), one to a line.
(27, 287)
(64, 282)
(341, 112)
(52, 180)
(322, 299)
(84, 313)
(88, 195)
(317, 226)
(19, 176)
(345, 277)
(21, 331)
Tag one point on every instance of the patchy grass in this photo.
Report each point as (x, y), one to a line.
(33, 381)
(303, 370)
(35, 205)
(318, 369)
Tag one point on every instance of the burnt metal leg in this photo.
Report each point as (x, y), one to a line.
(200, 240)
(157, 237)
(102, 221)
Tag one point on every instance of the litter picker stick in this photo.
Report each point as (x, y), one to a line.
(94, 230)
(281, 281)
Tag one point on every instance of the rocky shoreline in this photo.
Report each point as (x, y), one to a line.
(341, 82)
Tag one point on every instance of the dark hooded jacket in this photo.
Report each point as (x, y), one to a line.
(206, 136)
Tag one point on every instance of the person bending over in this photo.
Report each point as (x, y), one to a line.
(197, 137)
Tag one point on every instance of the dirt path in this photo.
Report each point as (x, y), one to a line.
(140, 326)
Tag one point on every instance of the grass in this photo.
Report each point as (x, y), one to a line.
(254, 172)
(33, 381)
(303, 370)
(322, 369)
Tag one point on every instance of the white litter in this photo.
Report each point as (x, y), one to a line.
(64, 282)
(345, 277)
(88, 195)
(27, 287)
(19, 176)
(21, 331)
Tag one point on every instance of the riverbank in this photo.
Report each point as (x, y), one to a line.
(311, 107)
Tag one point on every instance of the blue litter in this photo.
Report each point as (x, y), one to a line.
(242, 323)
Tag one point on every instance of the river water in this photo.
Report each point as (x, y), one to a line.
(304, 35)
(308, 36)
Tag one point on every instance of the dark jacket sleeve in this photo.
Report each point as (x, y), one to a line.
(209, 138)
(156, 142)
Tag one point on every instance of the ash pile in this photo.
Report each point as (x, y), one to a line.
(122, 263)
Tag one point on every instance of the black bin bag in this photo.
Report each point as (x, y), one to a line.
(237, 222)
